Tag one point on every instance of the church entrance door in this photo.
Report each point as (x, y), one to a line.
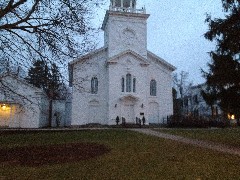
(128, 108)
(128, 113)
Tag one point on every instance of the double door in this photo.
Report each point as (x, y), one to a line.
(128, 113)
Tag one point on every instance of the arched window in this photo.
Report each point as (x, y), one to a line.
(128, 82)
(123, 85)
(134, 84)
(153, 88)
(94, 85)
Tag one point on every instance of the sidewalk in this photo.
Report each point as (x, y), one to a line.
(195, 142)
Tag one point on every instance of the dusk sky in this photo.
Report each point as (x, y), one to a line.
(175, 32)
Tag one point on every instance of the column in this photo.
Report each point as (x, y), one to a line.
(121, 3)
(113, 3)
(131, 4)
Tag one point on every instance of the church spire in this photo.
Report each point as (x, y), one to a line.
(125, 6)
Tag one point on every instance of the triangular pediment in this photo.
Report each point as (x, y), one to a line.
(143, 61)
(9, 78)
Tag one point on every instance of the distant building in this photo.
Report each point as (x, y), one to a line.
(194, 103)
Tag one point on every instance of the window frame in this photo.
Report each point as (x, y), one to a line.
(153, 87)
(123, 84)
(94, 85)
(128, 82)
(134, 84)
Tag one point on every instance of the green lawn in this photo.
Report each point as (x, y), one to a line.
(132, 156)
(229, 136)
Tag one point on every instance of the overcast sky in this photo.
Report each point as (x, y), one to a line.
(175, 32)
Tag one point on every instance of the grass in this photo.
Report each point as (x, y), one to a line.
(228, 136)
(132, 156)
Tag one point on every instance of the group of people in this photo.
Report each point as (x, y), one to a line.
(139, 121)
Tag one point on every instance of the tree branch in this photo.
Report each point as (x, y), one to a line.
(10, 7)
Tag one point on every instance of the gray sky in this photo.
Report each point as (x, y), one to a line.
(175, 32)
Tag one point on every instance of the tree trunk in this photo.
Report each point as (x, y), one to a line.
(50, 113)
(212, 109)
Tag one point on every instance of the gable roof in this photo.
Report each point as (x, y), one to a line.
(145, 61)
(161, 61)
(139, 57)
(88, 55)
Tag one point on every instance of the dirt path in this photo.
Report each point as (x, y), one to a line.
(195, 142)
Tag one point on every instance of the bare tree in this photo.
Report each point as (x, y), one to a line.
(54, 31)
(183, 86)
(45, 29)
(182, 83)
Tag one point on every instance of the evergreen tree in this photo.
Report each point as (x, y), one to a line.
(54, 82)
(48, 79)
(226, 32)
(223, 78)
(37, 74)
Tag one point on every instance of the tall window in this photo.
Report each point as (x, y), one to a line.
(123, 85)
(153, 88)
(134, 84)
(128, 82)
(94, 85)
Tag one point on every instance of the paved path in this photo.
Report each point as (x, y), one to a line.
(195, 142)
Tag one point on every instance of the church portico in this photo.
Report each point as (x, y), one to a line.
(125, 108)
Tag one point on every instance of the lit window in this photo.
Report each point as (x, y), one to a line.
(94, 85)
(128, 82)
(153, 88)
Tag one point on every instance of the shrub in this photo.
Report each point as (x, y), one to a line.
(197, 121)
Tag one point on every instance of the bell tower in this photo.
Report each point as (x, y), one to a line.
(125, 28)
(123, 4)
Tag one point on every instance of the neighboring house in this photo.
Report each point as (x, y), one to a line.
(122, 78)
(195, 104)
(21, 104)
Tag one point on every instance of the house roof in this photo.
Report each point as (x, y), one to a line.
(21, 80)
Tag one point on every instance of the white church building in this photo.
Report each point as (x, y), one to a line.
(122, 78)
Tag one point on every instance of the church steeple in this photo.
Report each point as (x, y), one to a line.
(125, 6)
(125, 28)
